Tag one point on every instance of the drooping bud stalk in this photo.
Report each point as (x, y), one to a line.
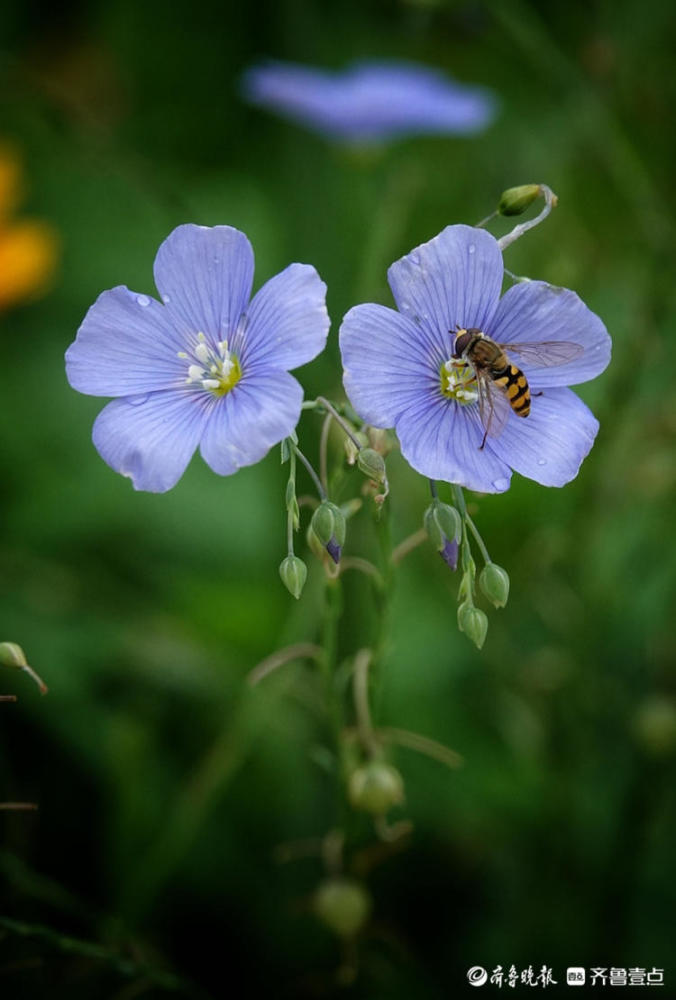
(293, 572)
(328, 526)
(516, 200)
(12, 655)
(494, 583)
(375, 787)
(343, 904)
(473, 622)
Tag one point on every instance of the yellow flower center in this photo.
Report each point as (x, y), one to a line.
(458, 381)
(216, 369)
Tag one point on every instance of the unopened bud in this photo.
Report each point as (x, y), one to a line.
(474, 623)
(516, 200)
(328, 525)
(376, 787)
(372, 464)
(12, 655)
(343, 904)
(494, 583)
(293, 572)
(442, 524)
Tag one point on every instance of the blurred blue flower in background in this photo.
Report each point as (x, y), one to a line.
(401, 372)
(370, 102)
(203, 368)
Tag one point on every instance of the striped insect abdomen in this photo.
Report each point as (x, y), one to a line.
(513, 381)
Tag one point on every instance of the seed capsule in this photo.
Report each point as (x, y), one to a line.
(376, 787)
(343, 904)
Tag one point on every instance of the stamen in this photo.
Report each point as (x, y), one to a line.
(458, 381)
(218, 371)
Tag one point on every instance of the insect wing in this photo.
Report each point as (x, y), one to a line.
(547, 353)
(494, 408)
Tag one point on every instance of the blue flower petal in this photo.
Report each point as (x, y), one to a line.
(204, 277)
(534, 311)
(452, 281)
(261, 410)
(150, 438)
(389, 362)
(550, 444)
(287, 322)
(126, 345)
(442, 440)
(370, 101)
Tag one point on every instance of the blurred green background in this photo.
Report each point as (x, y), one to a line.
(166, 786)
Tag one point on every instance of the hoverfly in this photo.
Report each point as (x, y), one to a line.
(501, 385)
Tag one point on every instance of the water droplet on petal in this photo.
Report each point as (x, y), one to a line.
(143, 300)
(166, 299)
(471, 248)
(542, 461)
(414, 258)
(501, 485)
(138, 400)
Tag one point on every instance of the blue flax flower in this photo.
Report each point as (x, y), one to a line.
(370, 101)
(400, 369)
(203, 368)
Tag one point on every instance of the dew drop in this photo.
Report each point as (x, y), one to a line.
(501, 485)
(138, 400)
(414, 258)
(542, 461)
(143, 300)
(166, 299)
(471, 249)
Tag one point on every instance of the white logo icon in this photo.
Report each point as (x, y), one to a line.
(477, 976)
(575, 976)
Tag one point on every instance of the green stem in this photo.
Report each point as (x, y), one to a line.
(313, 475)
(330, 408)
(479, 540)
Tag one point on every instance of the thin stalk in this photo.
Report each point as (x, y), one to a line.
(313, 475)
(523, 227)
(478, 539)
(360, 688)
(330, 408)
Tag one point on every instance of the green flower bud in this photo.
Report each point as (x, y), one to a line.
(474, 623)
(314, 544)
(516, 200)
(293, 572)
(372, 464)
(376, 787)
(442, 524)
(343, 904)
(494, 582)
(328, 525)
(12, 655)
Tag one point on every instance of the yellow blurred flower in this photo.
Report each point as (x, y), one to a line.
(28, 249)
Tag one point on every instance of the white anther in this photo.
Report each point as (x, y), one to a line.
(202, 352)
(195, 373)
(210, 383)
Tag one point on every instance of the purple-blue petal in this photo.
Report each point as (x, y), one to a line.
(370, 101)
(151, 438)
(286, 324)
(550, 444)
(442, 439)
(126, 345)
(388, 361)
(204, 276)
(256, 414)
(449, 553)
(534, 311)
(452, 281)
